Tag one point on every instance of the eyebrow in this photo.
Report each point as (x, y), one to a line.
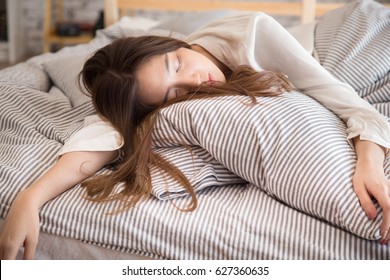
(167, 67)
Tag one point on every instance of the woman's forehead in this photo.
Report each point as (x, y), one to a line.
(151, 78)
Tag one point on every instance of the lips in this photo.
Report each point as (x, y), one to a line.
(210, 79)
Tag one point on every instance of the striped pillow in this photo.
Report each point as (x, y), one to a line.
(197, 165)
(290, 146)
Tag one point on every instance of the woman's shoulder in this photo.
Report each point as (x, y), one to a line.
(243, 17)
(230, 26)
(228, 38)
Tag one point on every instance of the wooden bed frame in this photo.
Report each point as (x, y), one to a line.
(114, 9)
(307, 10)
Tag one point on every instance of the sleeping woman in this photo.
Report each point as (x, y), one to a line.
(132, 78)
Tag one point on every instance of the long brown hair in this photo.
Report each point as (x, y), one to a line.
(109, 77)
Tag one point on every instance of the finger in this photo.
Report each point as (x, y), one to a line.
(365, 200)
(10, 253)
(385, 232)
(384, 202)
(386, 238)
(29, 250)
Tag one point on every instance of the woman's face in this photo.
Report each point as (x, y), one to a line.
(166, 76)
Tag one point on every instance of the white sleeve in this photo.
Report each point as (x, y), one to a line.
(276, 50)
(96, 135)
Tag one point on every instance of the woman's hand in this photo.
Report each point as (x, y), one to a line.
(370, 182)
(20, 228)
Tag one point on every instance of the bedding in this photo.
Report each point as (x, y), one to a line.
(258, 209)
(59, 69)
(186, 23)
(309, 168)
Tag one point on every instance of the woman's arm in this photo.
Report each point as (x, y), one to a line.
(21, 226)
(277, 50)
(370, 182)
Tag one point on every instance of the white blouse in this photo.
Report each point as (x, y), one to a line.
(258, 40)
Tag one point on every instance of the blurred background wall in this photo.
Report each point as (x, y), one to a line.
(30, 17)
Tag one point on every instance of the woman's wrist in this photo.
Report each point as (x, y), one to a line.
(369, 151)
(28, 199)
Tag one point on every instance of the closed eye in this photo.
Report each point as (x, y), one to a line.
(179, 64)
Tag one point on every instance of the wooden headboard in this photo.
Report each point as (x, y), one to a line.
(307, 10)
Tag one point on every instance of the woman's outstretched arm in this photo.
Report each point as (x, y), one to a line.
(21, 226)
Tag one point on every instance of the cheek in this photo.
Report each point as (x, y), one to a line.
(217, 73)
(219, 76)
(223, 78)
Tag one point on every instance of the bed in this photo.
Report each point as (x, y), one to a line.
(280, 210)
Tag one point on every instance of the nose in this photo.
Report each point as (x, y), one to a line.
(197, 80)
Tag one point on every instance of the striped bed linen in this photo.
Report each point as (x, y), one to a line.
(361, 61)
(289, 146)
(234, 220)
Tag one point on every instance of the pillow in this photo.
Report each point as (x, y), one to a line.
(65, 67)
(63, 72)
(290, 146)
(27, 74)
(188, 22)
(197, 165)
(142, 23)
